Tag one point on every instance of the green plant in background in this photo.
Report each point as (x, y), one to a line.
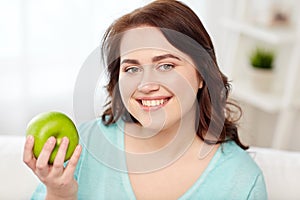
(262, 58)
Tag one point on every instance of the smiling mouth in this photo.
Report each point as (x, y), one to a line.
(153, 103)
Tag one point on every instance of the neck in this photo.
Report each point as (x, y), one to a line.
(162, 149)
(177, 137)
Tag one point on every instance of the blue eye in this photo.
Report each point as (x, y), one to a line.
(132, 69)
(165, 67)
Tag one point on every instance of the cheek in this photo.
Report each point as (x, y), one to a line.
(186, 94)
(127, 86)
(185, 88)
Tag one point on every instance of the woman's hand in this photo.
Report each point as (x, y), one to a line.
(59, 180)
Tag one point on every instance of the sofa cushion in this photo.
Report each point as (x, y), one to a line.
(17, 181)
(281, 170)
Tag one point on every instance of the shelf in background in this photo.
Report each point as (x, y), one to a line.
(272, 35)
(245, 92)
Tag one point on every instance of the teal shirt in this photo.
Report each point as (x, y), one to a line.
(231, 173)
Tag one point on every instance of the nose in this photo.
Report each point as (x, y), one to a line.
(148, 87)
(147, 83)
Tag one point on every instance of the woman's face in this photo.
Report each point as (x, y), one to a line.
(158, 83)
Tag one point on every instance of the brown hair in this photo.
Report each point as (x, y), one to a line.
(214, 108)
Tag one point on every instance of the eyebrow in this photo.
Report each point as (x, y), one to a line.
(154, 59)
(130, 61)
(161, 57)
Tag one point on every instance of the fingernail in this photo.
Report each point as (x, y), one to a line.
(51, 140)
(77, 149)
(30, 138)
(66, 139)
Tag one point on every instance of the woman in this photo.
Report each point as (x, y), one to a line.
(168, 132)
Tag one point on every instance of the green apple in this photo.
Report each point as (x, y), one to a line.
(56, 124)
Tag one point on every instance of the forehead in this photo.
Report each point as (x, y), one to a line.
(146, 39)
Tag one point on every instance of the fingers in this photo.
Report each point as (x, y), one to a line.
(71, 167)
(28, 157)
(42, 167)
(58, 165)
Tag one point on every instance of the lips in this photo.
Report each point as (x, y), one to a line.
(153, 102)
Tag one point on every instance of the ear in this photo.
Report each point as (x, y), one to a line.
(200, 84)
(200, 79)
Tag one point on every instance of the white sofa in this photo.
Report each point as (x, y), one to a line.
(17, 182)
(281, 170)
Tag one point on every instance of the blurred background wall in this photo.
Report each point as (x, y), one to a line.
(43, 45)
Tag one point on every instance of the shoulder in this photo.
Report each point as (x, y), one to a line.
(94, 125)
(232, 162)
(237, 167)
(234, 174)
(96, 130)
(239, 159)
(100, 142)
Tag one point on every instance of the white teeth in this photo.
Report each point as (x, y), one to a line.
(150, 103)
